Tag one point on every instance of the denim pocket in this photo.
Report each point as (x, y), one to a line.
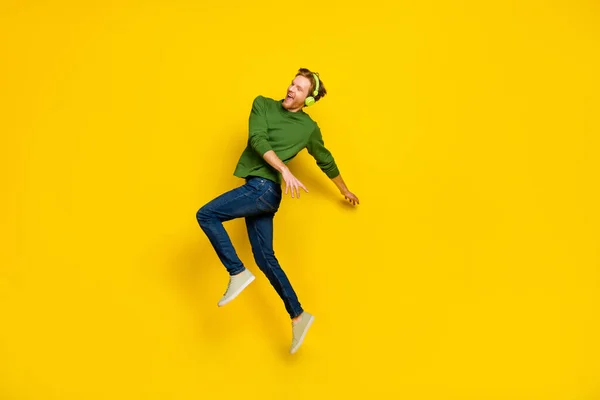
(255, 183)
(269, 200)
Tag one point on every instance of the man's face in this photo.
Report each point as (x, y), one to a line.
(297, 93)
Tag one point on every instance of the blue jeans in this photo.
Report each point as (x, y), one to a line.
(256, 201)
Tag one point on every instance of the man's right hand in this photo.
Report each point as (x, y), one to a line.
(292, 183)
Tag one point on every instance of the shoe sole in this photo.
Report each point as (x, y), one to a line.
(237, 292)
(295, 349)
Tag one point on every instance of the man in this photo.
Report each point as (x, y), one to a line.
(278, 131)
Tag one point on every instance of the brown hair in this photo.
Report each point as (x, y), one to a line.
(305, 72)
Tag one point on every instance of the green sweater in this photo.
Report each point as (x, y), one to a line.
(272, 127)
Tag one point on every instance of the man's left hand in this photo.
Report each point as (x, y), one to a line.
(348, 195)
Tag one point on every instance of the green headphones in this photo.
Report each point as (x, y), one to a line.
(310, 100)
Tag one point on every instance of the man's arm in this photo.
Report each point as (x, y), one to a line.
(257, 127)
(341, 185)
(316, 148)
(348, 195)
(326, 162)
(274, 161)
(291, 182)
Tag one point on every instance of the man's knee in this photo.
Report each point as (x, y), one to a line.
(203, 216)
(265, 256)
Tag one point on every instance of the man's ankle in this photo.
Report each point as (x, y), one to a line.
(297, 319)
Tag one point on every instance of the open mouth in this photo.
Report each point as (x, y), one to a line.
(289, 96)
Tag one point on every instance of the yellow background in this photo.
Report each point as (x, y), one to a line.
(468, 130)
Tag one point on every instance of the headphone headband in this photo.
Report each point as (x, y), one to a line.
(310, 100)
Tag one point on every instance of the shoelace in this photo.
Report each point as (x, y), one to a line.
(228, 286)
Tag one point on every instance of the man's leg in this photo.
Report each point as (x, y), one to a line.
(236, 203)
(260, 232)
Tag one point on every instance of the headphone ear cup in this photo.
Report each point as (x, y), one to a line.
(309, 101)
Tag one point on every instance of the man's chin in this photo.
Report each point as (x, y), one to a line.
(288, 103)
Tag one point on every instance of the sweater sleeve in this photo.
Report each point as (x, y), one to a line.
(257, 133)
(323, 157)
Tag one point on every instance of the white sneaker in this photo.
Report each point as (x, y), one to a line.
(237, 283)
(299, 331)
